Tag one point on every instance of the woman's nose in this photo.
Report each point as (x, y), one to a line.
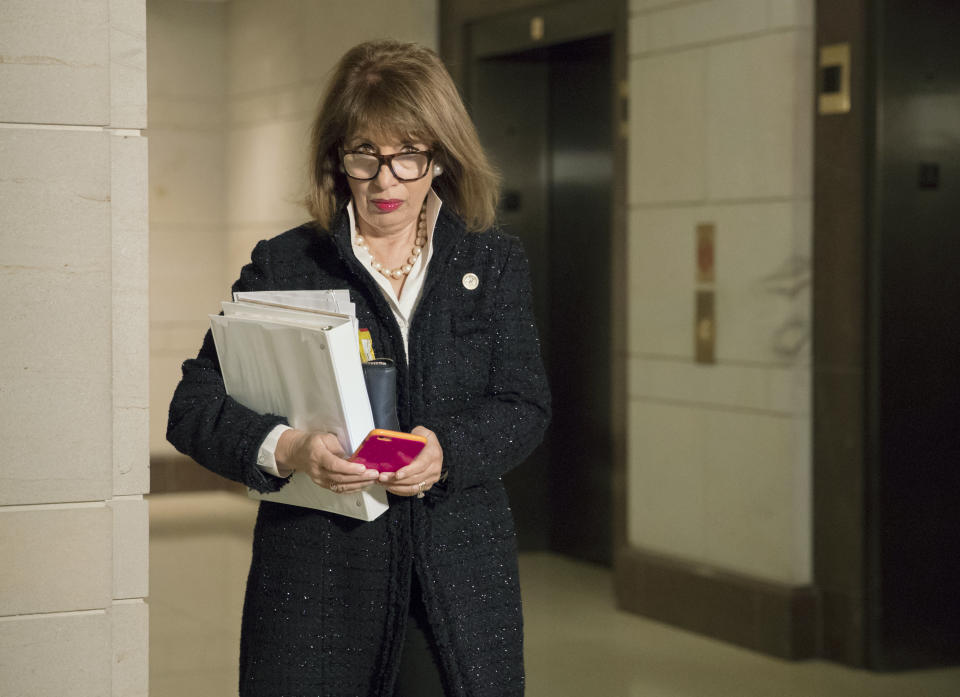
(385, 178)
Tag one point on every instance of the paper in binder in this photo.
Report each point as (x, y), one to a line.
(301, 363)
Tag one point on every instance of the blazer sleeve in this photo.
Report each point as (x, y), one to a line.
(494, 434)
(208, 425)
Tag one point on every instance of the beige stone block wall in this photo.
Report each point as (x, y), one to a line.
(187, 84)
(56, 60)
(721, 132)
(73, 383)
(59, 654)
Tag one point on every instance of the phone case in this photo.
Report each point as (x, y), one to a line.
(388, 451)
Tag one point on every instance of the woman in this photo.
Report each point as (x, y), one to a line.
(425, 599)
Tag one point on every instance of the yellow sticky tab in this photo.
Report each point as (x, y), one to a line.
(366, 345)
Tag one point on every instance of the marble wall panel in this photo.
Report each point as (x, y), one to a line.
(72, 279)
(56, 655)
(55, 297)
(57, 419)
(804, 101)
(754, 100)
(181, 529)
(129, 621)
(188, 281)
(267, 165)
(704, 22)
(637, 5)
(187, 272)
(763, 285)
(63, 558)
(128, 64)
(668, 128)
(750, 511)
(131, 532)
(774, 15)
(720, 118)
(665, 479)
(790, 13)
(211, 579)
(55, 62)
(661, 251)
(187, 51)
(186, 177)
(801, 542)
(131, 348)
(243, 238)
(777, 390)
(164, 376)
(131, 450)
(186, 113)
(763, 301)
(720, 487)
(762, 260)
(170, 337)
(289, 102)
(55, 194)
(638, 35)
(268, 48)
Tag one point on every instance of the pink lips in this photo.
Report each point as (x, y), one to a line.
(387, 204)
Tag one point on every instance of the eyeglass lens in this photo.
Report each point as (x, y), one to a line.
(403, 165)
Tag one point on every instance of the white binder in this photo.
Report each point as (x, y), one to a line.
(303, 364)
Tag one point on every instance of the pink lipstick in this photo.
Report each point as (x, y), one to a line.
(387, 204)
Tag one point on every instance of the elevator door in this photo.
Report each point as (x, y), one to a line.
(544, 116)
(915, 617)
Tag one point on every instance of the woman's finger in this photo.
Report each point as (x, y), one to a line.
(350, 488)
(425, 467)
(421, 487)
(341, 484)
(342, 468)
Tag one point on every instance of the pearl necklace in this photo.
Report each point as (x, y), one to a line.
(416, 250)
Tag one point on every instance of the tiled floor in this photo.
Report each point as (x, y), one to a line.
(578, 643)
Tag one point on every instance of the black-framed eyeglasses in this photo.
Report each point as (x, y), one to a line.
(406, 166)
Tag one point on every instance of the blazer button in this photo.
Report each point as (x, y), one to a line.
(470, 281)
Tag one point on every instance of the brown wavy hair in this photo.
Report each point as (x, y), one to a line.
(400, 91)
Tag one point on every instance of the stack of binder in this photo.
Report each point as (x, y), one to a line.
(295, 354)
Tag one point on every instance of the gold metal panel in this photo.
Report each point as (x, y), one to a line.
(705, 328)
(536, 28)
(706, 252)
(834, 79)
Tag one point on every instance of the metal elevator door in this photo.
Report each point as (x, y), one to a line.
(545, 116)
(915, 518)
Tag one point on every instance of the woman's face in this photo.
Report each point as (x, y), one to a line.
(385, 204)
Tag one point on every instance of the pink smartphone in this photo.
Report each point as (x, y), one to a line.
(388, 451)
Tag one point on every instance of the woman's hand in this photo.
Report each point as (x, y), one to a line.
(421, 474)
(321, 457)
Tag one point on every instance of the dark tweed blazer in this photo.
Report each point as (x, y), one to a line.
(327, 596)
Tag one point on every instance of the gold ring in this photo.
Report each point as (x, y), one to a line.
(420, 490)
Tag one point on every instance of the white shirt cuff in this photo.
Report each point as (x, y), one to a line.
(266, 457)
